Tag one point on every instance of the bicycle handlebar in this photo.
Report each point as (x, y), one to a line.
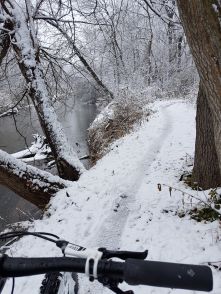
(168, 275)
(132, 271)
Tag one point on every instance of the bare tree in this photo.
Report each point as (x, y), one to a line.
(116, 44)
(63, 20)
(20, 35)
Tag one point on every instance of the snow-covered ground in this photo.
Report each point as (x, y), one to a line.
(116, 204)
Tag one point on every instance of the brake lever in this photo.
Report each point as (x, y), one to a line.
(107, 254)
(119, 291)
(112, 284)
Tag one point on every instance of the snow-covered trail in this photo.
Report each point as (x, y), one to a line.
(116, 204)
(110, 230)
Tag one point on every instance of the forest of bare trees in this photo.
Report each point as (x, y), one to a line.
(110, 137)
(135, 46)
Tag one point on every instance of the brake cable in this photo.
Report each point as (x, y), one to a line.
(22, 233)
(42, 235)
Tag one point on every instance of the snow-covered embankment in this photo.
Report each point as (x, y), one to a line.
(116, 204)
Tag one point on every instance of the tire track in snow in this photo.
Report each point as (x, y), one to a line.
(110, 230)
(113, 225)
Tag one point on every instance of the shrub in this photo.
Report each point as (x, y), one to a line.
(114, 122)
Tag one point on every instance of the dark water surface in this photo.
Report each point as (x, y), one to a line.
(75, 119)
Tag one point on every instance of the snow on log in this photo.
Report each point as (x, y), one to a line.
(29, 182)
(39, 150)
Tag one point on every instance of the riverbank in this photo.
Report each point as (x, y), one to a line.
(118, 203)
(75, 117)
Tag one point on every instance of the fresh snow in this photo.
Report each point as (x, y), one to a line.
(37, 151)
(116, 203)
(20, 169)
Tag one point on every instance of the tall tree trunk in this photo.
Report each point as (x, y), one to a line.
(170, 10)
(68, 165)
(206, 172)
(201, 22)
(27, 181)
(5, 40)
(179, 53)
(148, 54)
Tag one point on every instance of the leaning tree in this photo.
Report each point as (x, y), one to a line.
(20, 26)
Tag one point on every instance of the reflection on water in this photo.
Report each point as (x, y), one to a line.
(14, 208)
(75, 120)
(26, 123)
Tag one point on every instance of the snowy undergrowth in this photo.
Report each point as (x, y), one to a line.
(116, 204)
(115, 121)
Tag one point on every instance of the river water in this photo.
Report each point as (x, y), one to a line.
(75, 118)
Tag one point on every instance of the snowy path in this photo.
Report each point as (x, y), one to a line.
(116, 204)
(112, 226)
(109, 233)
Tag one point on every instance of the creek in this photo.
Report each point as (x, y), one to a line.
(75, 118)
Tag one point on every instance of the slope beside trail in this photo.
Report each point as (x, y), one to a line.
(116, 203)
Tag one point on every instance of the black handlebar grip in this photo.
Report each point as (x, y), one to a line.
(19, 266)
(168, 275)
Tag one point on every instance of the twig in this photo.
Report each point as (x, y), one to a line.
(194, 197)
(26, 214)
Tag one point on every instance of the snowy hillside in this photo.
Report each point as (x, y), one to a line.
(117, 203)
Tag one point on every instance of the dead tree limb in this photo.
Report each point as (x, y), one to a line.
(27, 181)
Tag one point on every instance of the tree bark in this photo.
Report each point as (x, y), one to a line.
(201, 22)
(206, 172)
(27, 181)
(68, 165)
(179, 52)
(4, 40)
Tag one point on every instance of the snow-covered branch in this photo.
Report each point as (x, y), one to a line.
(27, 181)
(72, 43)
(26, 47)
